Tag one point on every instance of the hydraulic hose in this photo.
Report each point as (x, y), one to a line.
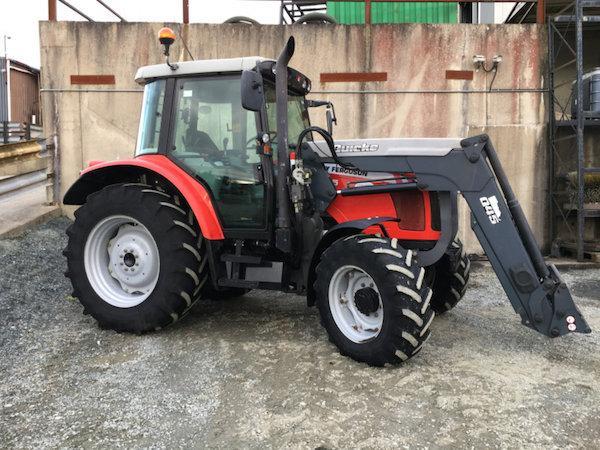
(328, 140)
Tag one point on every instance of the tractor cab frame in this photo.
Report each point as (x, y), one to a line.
(217, 121)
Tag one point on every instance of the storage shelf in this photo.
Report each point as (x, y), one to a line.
(591, 210)
(573, 123)
(570, 19)
(566, 40)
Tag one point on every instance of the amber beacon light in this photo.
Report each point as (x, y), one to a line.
(166, 37)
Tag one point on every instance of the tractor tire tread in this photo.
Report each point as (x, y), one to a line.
(180, 273)
(407, 319)
(450, 286)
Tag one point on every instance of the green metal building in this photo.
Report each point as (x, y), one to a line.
(389, 12)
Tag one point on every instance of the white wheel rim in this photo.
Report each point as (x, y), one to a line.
(355, 325)
(121, 261)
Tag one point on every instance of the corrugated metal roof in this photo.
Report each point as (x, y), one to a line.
(23, 66)
(387, 12)
(348, 13)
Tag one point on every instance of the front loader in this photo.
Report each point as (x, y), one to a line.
(232, 189)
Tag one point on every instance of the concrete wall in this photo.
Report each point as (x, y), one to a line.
(416, 56)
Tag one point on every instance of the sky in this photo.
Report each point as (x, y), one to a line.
(19, 18)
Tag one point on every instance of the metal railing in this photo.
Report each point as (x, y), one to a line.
(11, 132)
(26, 164)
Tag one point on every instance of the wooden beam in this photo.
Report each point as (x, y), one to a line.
(186, 11)
(52, 10)
(367, 11)
(349, 77)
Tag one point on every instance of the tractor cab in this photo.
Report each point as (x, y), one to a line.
(198, 115)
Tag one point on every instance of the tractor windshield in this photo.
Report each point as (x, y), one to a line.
(298, 118)
(152, 106)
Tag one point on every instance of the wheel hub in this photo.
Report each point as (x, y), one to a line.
(132, 259)
(355, 304)
(366, 300)
(129, 259)
(121, 261)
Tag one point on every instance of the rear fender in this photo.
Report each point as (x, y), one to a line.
(100, 175)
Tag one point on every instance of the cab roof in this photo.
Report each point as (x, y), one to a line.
(202, 66)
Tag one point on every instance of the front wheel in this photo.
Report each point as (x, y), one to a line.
(449, 278)
(134, 258)
(372, 299)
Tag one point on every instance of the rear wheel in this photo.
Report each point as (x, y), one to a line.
(134, 258)
(449, 278)
(372, 299)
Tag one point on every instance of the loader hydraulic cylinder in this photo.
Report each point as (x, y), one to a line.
(513, 205)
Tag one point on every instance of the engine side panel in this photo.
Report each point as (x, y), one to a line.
(413, 207)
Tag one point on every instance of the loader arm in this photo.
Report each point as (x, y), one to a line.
(535, 289)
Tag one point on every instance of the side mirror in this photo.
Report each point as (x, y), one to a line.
(252, 91)
(329, 114)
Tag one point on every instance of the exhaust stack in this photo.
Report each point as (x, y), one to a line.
(283, 232)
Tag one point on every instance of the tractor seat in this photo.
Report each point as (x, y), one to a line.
(199, 142)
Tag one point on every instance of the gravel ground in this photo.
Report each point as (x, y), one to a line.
(259, 372)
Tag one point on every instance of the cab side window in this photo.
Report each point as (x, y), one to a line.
(214, 138)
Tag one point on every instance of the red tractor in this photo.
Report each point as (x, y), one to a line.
(232, 189)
